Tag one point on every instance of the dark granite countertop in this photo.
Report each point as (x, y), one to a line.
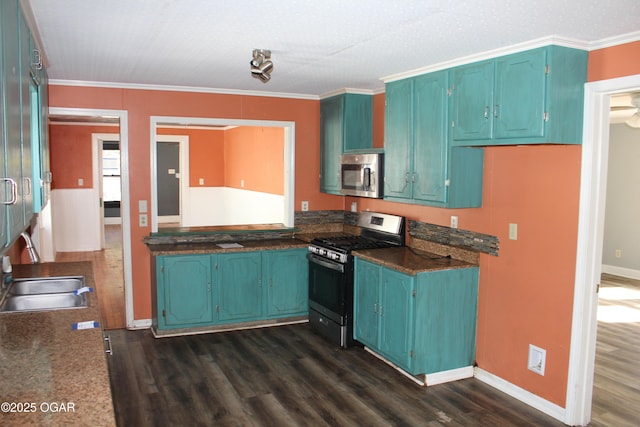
(43, 362)
(213, 247)
(410, 260)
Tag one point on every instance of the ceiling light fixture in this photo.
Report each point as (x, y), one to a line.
(261, 65)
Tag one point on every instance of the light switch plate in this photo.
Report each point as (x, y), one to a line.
(513, 231)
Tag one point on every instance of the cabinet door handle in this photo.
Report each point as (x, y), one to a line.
(495, 111)
(14, 191)
(380, 311)
(486, 112)
(27, 181)
(375, 307)
(406, 177)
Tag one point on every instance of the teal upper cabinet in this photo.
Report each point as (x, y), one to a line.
(346, 124)
(21, 124)
(398, 140)
(472, 101)
(531, 97)
(420, 165)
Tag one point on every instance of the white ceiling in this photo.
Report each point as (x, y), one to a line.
(318, 47)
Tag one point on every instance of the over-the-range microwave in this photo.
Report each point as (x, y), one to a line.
(361, 175)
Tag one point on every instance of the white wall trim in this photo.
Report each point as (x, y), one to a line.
(593, 183)
(450, 375)
(521, 394)
(140, 324)
(116, 85)
(125, 207)
(629, 273)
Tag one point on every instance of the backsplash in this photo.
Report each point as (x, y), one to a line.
(455, 237)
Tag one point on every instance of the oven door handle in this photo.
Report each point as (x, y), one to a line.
(325, 262)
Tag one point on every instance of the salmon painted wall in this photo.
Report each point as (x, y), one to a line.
(142, 104)
(206, 155)
(71, 154)
(616, 61)
(254, 158)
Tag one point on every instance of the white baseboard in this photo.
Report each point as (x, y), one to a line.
(629, 273)
(139, 324)
(521, 394)
(450, 375)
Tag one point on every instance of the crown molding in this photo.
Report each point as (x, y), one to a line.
(490, 54)
(169, 88)
(616, 40)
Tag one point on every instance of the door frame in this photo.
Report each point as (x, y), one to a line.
(183, 143)
(122, 115)
(593, 185)
(97, 140)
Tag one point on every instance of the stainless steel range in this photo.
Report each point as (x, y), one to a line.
(331, 273)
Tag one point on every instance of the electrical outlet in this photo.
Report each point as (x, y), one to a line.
(513, 231)
(618, 253)
(454, 221)
(537, 359)
(143, 220)
(305, 206)
(354, 206)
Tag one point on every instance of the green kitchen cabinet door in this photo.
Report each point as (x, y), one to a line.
(397, 306)
(357, 122)
(330, 144)
(472, 101)
(520, 95)
(29, 119)
(286, 276)
(184, 291)
(398, 140)
(430, 101)
(366, 302)
(12, 135)
(239, 286)
(445, 335)
(346, 124)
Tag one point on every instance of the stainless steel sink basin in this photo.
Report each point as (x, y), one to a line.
(46, 285)
(40, 302)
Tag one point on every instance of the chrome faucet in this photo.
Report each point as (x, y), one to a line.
(33, 254)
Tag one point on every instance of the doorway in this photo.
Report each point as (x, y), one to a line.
(590, 243)
(121, 117)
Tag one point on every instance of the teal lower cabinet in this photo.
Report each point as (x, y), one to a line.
(239, 286)
(184, 297)
(423, 324)
(205, 292)
(286, 280)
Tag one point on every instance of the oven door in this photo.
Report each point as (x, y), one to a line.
(328, 283)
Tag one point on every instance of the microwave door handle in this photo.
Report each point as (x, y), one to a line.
(366, 181)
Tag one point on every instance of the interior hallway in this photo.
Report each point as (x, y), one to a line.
(108, 275)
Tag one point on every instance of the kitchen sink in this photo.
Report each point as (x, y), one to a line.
(46, 285)
(40, 302)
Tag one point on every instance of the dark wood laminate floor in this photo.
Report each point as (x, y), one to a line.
(287, 376)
